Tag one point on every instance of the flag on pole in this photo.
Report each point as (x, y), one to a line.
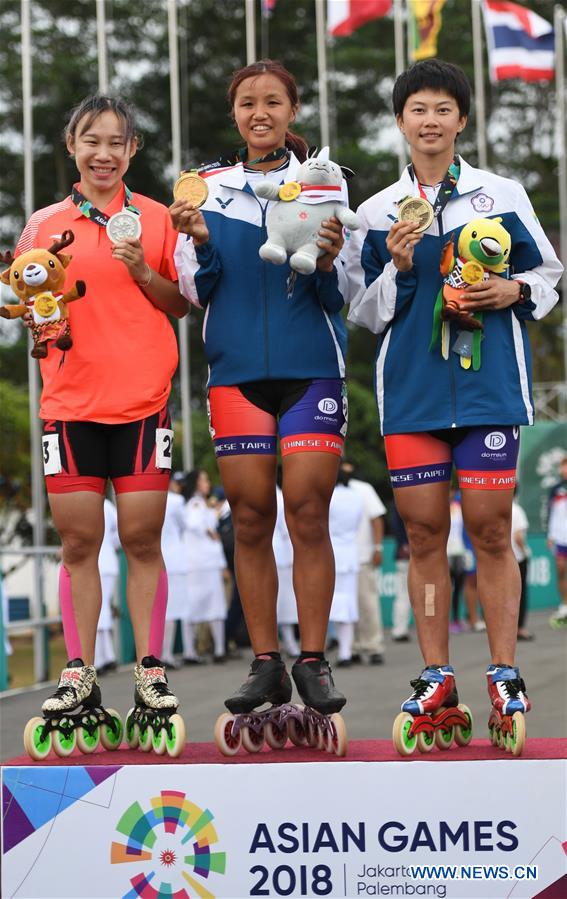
(520, 43)
(424, 26)
(345, 16)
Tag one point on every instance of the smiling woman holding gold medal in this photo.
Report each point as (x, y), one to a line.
(104, 408)
(452, 383)
(275, 343)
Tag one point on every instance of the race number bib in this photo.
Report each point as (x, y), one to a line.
(164, 447)
(51, 455)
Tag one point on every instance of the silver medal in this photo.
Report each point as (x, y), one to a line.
(123, 224)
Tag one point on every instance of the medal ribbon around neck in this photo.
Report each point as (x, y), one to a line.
(446, 189)
(90, 211)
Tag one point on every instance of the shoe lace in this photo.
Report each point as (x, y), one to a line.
(420, 687)
(514, 687)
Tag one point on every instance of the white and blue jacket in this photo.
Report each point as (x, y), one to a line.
(416, 389)
(252, 330)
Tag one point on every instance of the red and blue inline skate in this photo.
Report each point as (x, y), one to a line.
(432, 716)
(73, 717)
(316, 724)
(506, 724)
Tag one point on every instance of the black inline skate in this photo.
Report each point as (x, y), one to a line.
(153, 723)
(73, 717)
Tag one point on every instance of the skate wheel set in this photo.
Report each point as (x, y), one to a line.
(441, 729)
(507, 732)
(82, 730)
(153, 731)
(302, 725)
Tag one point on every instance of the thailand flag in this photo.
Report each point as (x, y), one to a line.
(345, 16)
(520, 43)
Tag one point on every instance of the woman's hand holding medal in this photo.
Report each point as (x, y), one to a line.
(189, 220)
(401, 242)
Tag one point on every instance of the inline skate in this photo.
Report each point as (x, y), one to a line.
(73, 717)
(269, 681)
(506, 724)
(559, 618)
(432, 715)
(323, 726)
(153, 723)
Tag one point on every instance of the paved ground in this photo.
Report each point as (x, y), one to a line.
(374, 693)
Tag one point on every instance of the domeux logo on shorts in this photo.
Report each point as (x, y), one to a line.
(495, 440)
(327, 405)
(170, 846)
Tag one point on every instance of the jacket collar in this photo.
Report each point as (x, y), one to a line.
(470, 179)
(235, 177)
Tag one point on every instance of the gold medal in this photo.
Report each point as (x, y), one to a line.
(472, 272)
(418, 210)
(44, 304)
(191, 187)
(289, 191)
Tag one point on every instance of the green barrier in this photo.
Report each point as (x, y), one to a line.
(542, 577)
(127, 647)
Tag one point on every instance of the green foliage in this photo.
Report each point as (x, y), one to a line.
(15, 443)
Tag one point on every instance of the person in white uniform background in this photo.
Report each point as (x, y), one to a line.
(206, 565)
(369, 632)
(105, 655)
(346, 513)
(283, 554)
(174, 552)
(521, 552)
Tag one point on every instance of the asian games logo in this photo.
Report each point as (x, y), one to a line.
(156, 842)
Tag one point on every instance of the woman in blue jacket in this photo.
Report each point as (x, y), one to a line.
(275, 344)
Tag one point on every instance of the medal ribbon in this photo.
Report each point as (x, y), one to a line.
(90, 211)
(446, 189)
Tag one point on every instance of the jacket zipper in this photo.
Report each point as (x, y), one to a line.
(449, 360)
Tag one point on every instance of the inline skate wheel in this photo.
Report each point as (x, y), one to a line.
(175, 740)
(311, 735)
(463, 735)
(132, 731)
(36, 744)
(275, 737)
(444, 737)
(88, 738)
(64, 743)
(159, 740)
(251, 740)
(339, 736)
(111, 737)
(296, 730)
(225, 741)
(425, 741)
(403, 743)
(146, 737)
(517, 738)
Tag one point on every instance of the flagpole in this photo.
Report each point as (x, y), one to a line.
(101, 46)
(479, 103)
(250, 31)
(184, 362)
(559, 25)
(400, 66)
(37, 489)
(322, 70)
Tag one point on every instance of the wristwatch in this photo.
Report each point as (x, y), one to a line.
(525, 294)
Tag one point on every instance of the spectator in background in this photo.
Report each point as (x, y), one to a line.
(105, 655)
(346, 512)
(522, 553)
(174, 552)
(456, 557)
(470, 587)
(283, 554)
(369, 633)
(557, 541)
(206, 596)
(401, 610)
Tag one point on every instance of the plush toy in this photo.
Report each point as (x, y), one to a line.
(294, 222)
(484, 246)
(37, 278)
